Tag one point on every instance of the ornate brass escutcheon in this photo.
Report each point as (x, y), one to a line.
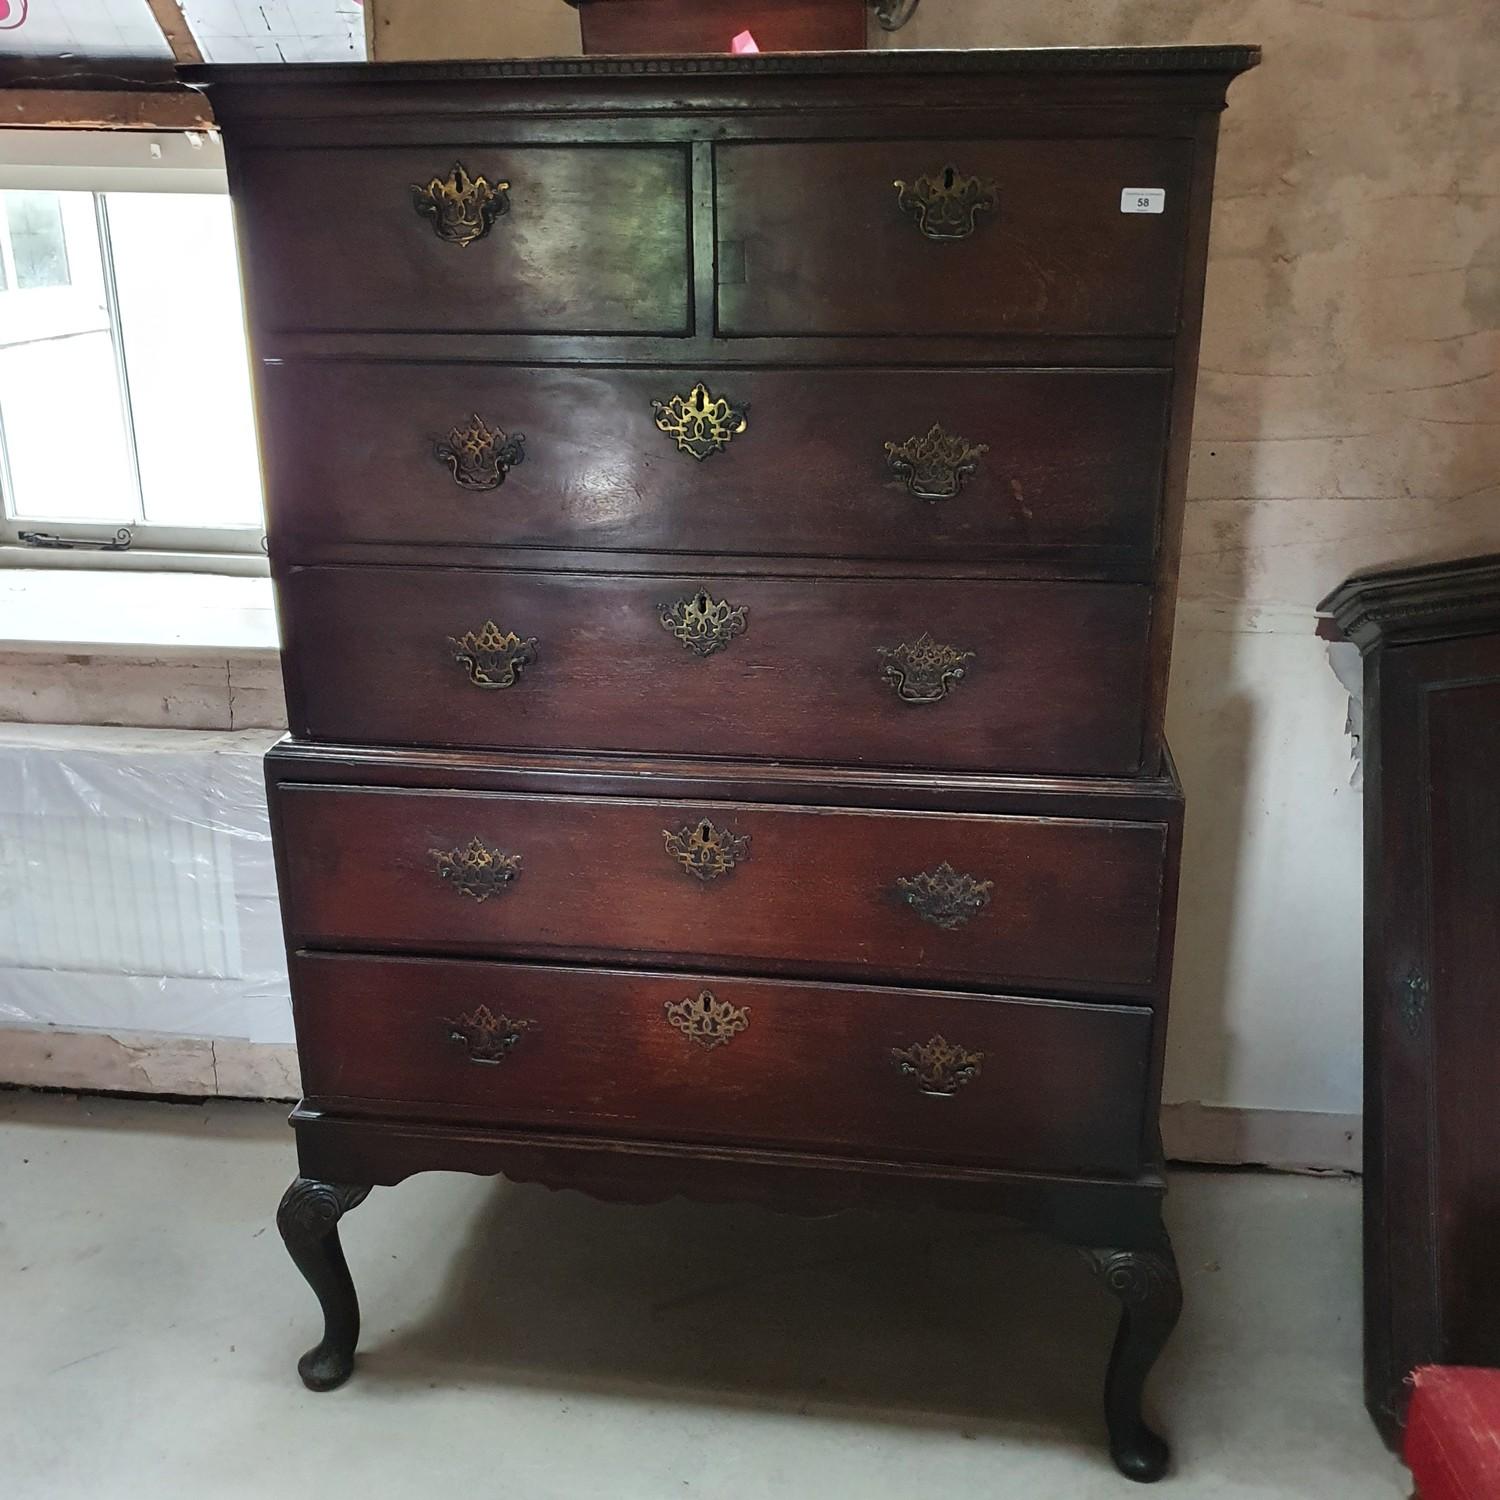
(703, 624)
(479, 456)
(486, 1037)
(943, 896)
(706, 1020)
(945, 203)
(476, 870)
(935, 467)
(923, 671)
(461, 208)
(492, 658)
(940, 1067)
(706, 852)
(700, 422)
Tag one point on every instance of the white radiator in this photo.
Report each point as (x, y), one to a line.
(122, 893)
(136, 884)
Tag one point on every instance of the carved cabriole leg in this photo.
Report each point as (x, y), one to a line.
(308, 1220)
(1150, 1293)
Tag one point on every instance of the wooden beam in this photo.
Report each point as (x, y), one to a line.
(104, 109)
(175, 28)
(98, 93)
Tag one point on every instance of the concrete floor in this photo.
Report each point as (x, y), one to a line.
(540, 1346)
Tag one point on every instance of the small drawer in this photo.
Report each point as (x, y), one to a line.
(1020, 1083)
(950, 237)
(935, 464)
(978, 900)
(468, 239)
(1012, 675)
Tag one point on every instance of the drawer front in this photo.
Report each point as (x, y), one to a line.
(1027, 236)
(1021, 676)
(1013, 1083)
(974, 899)
(881, 464)
(580, 239)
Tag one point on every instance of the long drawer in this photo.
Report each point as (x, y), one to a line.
(1014, 675)
(1010, 1082)
(965, 236)
(982, 900)
(934, 464)
(467, 238)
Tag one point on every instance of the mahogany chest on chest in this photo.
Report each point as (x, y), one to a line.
(724, 515)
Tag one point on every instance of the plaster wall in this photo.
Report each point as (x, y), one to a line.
(1348, 415)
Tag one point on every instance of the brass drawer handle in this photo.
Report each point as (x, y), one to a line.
(924, 670)
(702, 623)
(476, 870)
(492, 658)
(944, 204)
(706, 1020)
(461, 208)
(941, 1068)
(486, 1037)
(944, 897)
(478, 456)
(934, 467)
(701, 422)
(706, 852)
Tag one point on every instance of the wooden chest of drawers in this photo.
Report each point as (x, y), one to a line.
(724, 514)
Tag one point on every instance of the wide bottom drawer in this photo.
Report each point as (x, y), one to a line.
(1021, 1083)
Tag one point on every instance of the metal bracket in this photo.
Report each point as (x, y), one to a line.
(119, 543)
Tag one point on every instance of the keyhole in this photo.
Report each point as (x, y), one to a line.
(703, 604)
(948, 177)
(705, 829)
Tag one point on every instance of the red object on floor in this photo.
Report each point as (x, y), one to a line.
(1453, 1433)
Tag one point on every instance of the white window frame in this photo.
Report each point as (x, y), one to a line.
(103, 161)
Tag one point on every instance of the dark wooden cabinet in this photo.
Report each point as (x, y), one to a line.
(1431, 750)
(724, 515)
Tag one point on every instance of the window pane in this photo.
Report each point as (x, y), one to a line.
(36, 239)
(60, 405)
(177, 281)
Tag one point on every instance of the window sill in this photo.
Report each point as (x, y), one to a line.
(51, 609)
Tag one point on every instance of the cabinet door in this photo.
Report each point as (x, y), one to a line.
(1460, 720)
(1433, 1027)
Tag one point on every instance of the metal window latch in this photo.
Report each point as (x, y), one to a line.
(120, 542)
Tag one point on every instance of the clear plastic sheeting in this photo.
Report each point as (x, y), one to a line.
(137, 887)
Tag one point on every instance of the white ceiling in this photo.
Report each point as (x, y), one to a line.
(105, 28)
(227, 31)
